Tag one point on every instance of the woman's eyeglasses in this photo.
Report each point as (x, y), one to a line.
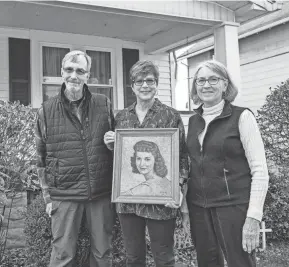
(148, 82)
(78, 71)
(211, 81)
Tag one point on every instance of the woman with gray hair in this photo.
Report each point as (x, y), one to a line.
(228, 173)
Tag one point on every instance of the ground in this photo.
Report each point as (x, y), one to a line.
(276, 255)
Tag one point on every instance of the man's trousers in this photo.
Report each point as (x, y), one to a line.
(66, 221)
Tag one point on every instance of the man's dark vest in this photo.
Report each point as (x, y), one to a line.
(219, 173)
(78, 163)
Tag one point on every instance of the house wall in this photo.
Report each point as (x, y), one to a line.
(77, 41)
(164, 87)
(264, 64)
(264, 59)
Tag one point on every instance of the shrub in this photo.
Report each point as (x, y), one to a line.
(276, 210)
(17, 147)
(38, 234)
(17, 154)
(273, 119)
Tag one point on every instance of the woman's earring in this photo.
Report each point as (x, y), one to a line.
(157, 93)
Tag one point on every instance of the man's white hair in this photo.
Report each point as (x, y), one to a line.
(73, 55)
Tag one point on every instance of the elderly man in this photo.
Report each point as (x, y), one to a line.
(75, 166)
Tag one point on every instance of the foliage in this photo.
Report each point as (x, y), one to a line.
(273, 119)
(14, 257)
(17, 148)
(38, 234)
(276, 210)
(17, 154)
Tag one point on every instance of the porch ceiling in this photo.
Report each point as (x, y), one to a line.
(158, 30)
(82, 19)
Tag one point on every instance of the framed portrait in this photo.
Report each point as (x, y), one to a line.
(146, 166)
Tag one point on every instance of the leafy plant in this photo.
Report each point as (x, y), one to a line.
(17, 147)
(17, 154)
(273, 119)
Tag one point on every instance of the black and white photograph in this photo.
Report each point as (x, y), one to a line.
(144, 133)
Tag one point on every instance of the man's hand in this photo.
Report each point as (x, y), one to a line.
(250, 238)
(49, 209)
(109, 137)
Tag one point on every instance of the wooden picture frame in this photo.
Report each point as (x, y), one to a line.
(146, 166)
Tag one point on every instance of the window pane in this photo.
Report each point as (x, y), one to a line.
(50, 91)
(100, 72)
(52, 59)
(107, 91)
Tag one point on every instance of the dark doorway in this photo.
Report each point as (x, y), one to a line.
(129, 58)
(19, 70)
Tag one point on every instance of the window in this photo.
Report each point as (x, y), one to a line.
(100, 80)
(19, 70)
(51, 64)
(129, 58)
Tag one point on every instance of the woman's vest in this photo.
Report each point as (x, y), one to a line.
(219, 171)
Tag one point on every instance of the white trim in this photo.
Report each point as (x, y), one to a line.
(15, 33)
(52, 82)
(263, 28)
(151, 14)
(241, 36)
(113, 70)
(179, 44)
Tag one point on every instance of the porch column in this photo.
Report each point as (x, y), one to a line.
(227, 49)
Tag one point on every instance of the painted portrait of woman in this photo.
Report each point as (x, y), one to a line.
(148, 161)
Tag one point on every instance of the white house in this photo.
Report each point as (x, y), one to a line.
(264, 58)
(34, 36)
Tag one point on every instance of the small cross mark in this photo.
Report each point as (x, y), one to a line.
(263, 230)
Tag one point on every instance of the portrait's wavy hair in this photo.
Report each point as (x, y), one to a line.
(143, 68)
(73, 57)
(217, 67)
(160, 167)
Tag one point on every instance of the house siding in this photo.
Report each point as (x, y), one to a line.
(4, 68)
(264, 63)
(164, 87)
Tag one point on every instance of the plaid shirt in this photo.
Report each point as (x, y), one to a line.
(158, 116)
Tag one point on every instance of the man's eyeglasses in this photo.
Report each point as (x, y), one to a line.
(148, 82)
(78, 71)
(212, 81)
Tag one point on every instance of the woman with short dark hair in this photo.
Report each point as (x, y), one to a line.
(149, 112)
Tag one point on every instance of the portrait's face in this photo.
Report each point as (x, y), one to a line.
(145, 162)
(145, 87)
(75, 74)
(212, 89)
